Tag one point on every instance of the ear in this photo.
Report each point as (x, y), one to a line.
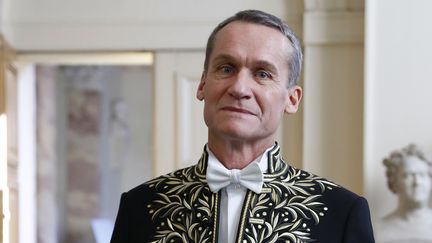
(293, 99)
(200, 90)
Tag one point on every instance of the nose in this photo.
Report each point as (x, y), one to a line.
(240, 87)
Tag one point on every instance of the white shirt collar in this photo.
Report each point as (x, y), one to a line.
(262, 160)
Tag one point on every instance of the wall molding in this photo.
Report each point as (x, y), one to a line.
(337, 27)
(159, 25)
(112, 35)
(126, 36)
(313, 5)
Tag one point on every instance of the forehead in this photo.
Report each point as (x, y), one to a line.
(239, 37)
(414, 164)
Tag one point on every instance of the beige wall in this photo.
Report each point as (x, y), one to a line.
(131, 25)
(333, 91)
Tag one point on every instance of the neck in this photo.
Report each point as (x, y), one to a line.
(237, 154)
(412, 209)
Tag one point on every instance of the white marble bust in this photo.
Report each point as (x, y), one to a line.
(409, 176)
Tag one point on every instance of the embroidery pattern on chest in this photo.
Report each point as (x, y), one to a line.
(184, 207)
(288, 205)
(185, 210)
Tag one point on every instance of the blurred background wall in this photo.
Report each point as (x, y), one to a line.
(397, 89)
(106, 93)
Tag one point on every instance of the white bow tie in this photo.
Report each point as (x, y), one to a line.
(219, 177)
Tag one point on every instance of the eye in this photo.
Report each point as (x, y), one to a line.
(226, 69)
(261, 74)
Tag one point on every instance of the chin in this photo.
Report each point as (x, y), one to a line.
(235, 126)
(237, 133)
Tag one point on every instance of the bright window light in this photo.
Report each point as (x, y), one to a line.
(3, 176)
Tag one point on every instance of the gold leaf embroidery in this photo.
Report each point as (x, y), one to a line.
(185, 210)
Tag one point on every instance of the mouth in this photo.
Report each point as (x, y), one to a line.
(237, 110)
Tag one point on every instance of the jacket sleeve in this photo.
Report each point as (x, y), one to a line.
(358, 228)
(120, 232)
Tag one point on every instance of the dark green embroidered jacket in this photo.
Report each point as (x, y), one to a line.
(293, 206)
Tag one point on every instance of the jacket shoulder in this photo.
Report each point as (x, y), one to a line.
(325, 186)
(345, 214)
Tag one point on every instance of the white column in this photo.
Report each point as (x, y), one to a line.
(27, 153)
(333, 90)
(292, 126)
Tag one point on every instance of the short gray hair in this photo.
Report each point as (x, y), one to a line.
(269, 20)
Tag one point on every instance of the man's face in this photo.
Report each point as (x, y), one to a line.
(414, 181)
(245, 87)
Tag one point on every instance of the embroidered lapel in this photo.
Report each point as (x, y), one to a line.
(185, 210)
(287, 206)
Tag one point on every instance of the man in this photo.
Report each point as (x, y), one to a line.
(241, 190)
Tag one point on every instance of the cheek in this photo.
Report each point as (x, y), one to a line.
(207, 114)
(214, 91)
(402, 185)
(211, 102)
(408, 182)
(275, 103)
(426, 182)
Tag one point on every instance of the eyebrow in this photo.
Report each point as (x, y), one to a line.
(267, 65)
(259, 63)
(224, 58)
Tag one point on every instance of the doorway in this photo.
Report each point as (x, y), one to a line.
(93, 140)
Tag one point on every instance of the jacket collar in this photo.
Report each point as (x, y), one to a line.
(276, 165)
